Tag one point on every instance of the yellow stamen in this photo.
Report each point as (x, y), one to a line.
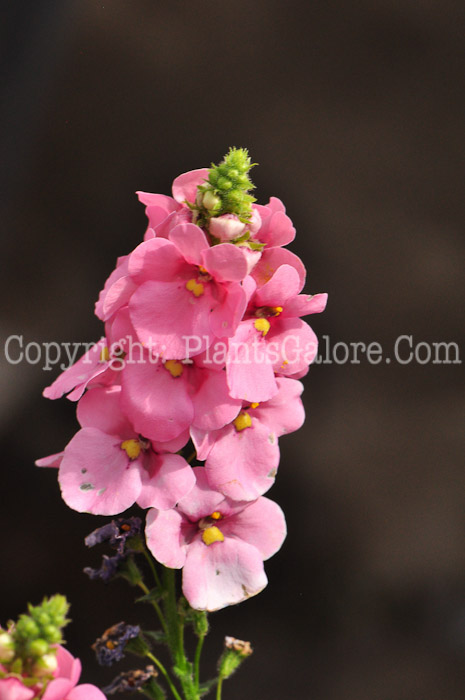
(242, 421)
(105, 355)
(276, 310)
(212, 534)
(195, 287)
(174, 367)
(262, 325)
(216, 515)
(132, 448)
(254, 405)
(110, 644)
(203, 270)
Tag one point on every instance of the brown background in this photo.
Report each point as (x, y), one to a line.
(354, 111)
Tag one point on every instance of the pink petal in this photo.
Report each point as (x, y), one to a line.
(58, 689)
(202, 499)
(284, 413)
(167, 480)
(190, 240)
(271, 259)
(85, 692)
(157, 200)
(155, 259)
(185, 185)
(213, 406)
(13, 689)
(158, 404)
(227, 315)
(305, 304)
(68, 666)
(221, 574)
(165, 539)
(249, 371)
(242, 464)
(96, 475)
(164, 314)
(261, 524)
(283, 286)
(80, 374)
(100, 408)
(295, 344)
(51, 461)
(120, 271)
(225, 262)
(117, 296)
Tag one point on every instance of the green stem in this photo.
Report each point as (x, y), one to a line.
(198, 651)
(175, 626)
(157, 608)
(153, 568)
(219, 688)
(165, 674)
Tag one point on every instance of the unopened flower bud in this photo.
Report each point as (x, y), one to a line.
(226, 227)
(38, 648)
(7, 647)
(210, 201)
(46, 665)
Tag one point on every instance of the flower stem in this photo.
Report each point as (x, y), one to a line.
(219, 688)
(165, 674)
(198, 652)
(157, 608)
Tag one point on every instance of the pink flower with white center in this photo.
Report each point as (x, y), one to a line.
(63, 685)
(96, 366)
(108, 465)
(273, 339)
(220, 544)
(243, 457)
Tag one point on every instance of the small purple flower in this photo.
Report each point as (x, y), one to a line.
(109, 648)
(116, 533)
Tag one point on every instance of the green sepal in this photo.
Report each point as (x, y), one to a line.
(158, 636)
(152, 690)
(131, 572)
(206, 686)
(138, 646)
(155, 594)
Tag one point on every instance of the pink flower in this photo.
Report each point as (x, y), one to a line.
(219, 543)
(273, 339)
(108, 466)
(184, 288)
(63, 686)
(243, 457)
(226, 227)
(276, 228)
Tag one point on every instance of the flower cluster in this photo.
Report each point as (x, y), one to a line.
(204, 342)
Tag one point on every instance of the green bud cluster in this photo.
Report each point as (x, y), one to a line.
(29, 643)
(226, 190)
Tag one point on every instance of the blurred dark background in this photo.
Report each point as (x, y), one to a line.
(355, 112)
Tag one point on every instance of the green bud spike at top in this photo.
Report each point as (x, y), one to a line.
(226, 190)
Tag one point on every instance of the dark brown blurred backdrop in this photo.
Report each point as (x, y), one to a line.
(354, 111)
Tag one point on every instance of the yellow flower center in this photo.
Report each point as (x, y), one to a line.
(132, 448)
(195, 287)
(262, 325)
(216, 515)
(105, 355)
(242, 421)
(254, 405)
(174, 367)
(212, 534)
